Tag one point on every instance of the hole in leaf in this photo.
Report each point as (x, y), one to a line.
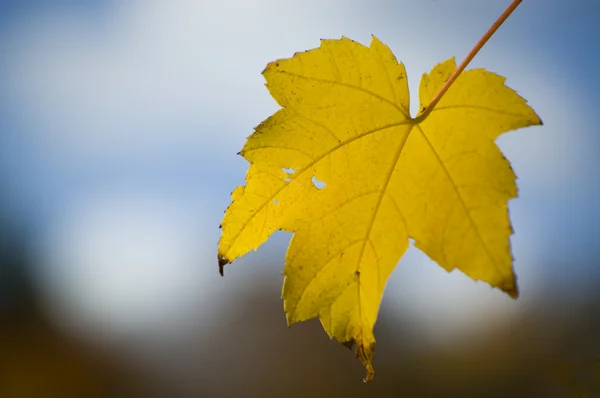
(318, 184)
(288, 171)
(275, 201)
(288, 179)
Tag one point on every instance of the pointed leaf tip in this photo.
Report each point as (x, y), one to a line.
(510, 288)
(222, 262)
(366, 355)
(513, 292)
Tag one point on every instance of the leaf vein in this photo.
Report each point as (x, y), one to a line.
(459, 196)
(376, 210)
(347, 85)
(314, 161)
(477, 107)
(314, 278)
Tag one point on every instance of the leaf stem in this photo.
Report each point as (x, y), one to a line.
(438, 96)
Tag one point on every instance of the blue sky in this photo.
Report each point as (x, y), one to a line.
(120, 121)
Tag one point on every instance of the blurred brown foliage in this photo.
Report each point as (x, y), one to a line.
(249, 351)
(35, 359)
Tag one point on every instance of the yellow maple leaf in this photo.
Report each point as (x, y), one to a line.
(388, 177)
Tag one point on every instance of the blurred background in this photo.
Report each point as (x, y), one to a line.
(119, 125)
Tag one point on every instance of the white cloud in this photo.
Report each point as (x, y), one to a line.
(153, 76)
(124, 263)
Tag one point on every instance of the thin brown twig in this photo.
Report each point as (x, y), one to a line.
(438, 96)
